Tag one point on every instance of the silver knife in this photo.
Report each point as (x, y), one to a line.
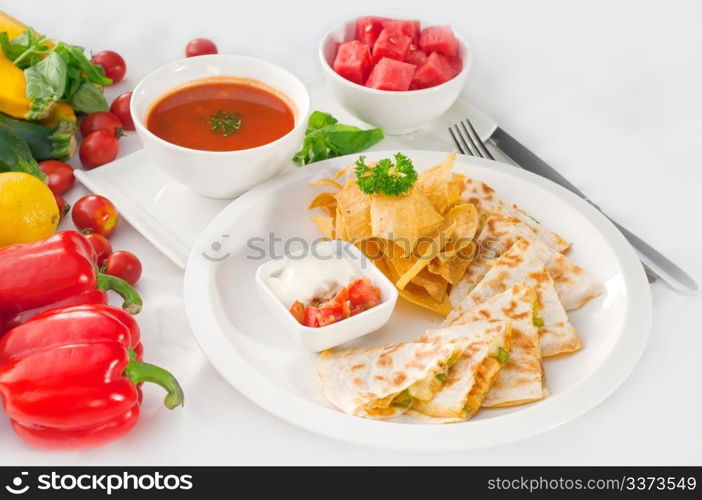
(655, 263)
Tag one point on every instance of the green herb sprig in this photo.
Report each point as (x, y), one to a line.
(326, 138)
(224, 122)
(386, 177)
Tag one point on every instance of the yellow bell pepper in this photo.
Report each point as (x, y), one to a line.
(13, 99)
(12, 26)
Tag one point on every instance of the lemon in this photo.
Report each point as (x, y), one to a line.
(28, 209)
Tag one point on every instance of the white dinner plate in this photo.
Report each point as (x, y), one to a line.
(259, 359)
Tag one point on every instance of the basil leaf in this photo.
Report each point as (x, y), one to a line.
(326, 138)
(48, 77)
(25, 49)
(318, 120)
(11, 50)
(88, 99)
(348, 142)
(73, 83)
(94, 73)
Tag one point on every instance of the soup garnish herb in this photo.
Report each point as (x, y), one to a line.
(225, 122)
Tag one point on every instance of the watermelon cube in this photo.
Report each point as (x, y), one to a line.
(456, 64)
(405, 26)
(435, 71)
(353, 61)
(392, 45)
(416, 57)
(368, 28)
(439, 39)
(390, 74)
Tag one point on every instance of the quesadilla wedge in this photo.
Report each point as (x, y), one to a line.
(521, 380)
(487, 201)
(574, 286)
(521, 264)
(470, 379)
(384, 381)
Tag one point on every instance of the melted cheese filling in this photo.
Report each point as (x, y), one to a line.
(484, 378)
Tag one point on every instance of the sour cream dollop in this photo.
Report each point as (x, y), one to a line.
(315, 275)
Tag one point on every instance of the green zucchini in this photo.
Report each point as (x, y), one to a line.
(15, 155)
(45, 143)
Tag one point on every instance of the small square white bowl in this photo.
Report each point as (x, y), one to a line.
(326, 337)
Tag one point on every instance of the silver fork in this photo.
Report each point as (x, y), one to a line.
(469, 143)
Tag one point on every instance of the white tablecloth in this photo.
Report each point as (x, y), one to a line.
(609, 92)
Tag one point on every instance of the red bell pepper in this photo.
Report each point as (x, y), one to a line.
(53, 272)
(96, 296)
(69, 377)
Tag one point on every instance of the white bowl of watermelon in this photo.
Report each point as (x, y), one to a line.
(395, 74)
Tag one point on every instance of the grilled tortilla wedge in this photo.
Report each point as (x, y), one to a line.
(521, 380)
(574, 286)
(487, 201)
(521, 264)
(384, 381)
(470, 379)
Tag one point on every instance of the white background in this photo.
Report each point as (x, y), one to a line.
(608, 92)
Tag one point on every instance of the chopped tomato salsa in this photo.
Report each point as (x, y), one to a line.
(359, 296)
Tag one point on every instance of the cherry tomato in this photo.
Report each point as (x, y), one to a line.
(112, 63)
(95, 214)
(200, 47)
(120, 108)
(102, 120)
(98, 148)
(124, 265)
(63, 206)
(101, 245)
(60, 175)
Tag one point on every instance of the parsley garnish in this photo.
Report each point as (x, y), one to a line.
(385, 177)
(224, 122)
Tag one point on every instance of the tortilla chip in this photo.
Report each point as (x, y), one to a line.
(370, 247)
(339, 228)
(427, 252)
(434, 284)
(454, 192)
(326, 182)
(393, 218)
(325, 225)
(466, 217)
(417, 295)
(425, 215)
(321, 200)
(450, 270)
(435, 183)
(355, 209)
(343, 171)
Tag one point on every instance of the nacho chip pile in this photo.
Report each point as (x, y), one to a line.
(422, 241)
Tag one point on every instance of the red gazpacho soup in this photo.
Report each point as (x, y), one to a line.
(221, 115)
